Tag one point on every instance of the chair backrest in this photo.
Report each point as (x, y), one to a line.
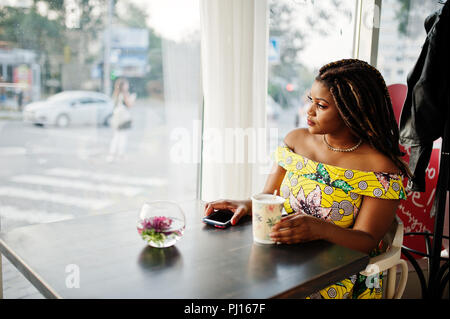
(394, 236)
(389, 259)
(398, 96)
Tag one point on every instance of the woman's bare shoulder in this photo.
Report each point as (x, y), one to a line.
(296, 136)
(375, 161)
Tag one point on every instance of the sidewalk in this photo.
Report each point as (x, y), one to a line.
(10, 115)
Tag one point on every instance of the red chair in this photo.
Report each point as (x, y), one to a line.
(398, 96)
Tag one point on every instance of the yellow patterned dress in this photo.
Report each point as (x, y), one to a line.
(334, 194)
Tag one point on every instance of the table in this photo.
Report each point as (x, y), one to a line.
(102, 256)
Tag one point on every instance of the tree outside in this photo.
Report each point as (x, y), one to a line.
(294, 25)
(67, 39)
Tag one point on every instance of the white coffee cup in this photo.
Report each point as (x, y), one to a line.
(266, 212)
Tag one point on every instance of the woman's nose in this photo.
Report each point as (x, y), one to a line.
(311, 109)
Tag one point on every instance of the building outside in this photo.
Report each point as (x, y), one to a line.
(128, 56)
(402, 35)
(20, 76)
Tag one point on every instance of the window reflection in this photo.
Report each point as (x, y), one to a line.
(304, 35)
(59, 62)
(402, 35)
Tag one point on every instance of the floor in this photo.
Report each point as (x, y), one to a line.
(413, 289)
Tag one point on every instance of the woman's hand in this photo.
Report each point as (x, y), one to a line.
(240, 208)
(298, 228)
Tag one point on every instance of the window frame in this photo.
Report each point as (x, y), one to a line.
(365, 38)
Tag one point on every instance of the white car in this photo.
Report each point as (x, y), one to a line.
(71, 108)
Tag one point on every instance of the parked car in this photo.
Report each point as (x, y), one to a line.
(71, 108)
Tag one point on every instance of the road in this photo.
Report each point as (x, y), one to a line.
(51, 174)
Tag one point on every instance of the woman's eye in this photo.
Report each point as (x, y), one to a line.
(319, 105)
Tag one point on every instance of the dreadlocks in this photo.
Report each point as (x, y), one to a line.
(363, 101)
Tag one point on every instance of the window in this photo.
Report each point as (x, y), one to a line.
(48, 49)
(304, 35)
(402, 35)
(86, 101)
(98, 101)
(90, 101)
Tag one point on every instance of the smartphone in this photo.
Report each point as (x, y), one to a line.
(220, 218)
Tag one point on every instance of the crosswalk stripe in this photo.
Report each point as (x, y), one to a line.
(114, 178)
(31, 215)
(12, 151)
(38, 195)
(91, 135)
(68, 183)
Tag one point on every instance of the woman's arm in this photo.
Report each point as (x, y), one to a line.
(277, 173)
(373, 221)
(241, 208)
(274, 179)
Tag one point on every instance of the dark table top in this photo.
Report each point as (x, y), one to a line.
(114, 262)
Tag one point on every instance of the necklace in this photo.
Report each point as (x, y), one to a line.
(351, 149)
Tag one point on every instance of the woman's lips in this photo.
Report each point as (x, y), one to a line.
(311, 123)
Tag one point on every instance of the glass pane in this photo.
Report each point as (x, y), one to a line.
(304, 35)
(402, 35)
(65, 160)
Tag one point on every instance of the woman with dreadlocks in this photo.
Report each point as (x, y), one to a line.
(342, 176)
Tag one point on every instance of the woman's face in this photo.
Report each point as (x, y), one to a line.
(323, 115)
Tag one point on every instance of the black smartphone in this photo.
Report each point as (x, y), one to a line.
(219, 218)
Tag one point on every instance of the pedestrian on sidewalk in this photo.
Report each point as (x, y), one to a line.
(121, 119)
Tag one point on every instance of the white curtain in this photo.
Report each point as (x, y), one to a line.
(234, 43)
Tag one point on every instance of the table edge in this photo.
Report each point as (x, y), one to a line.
(295, 292)
(43, 287)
